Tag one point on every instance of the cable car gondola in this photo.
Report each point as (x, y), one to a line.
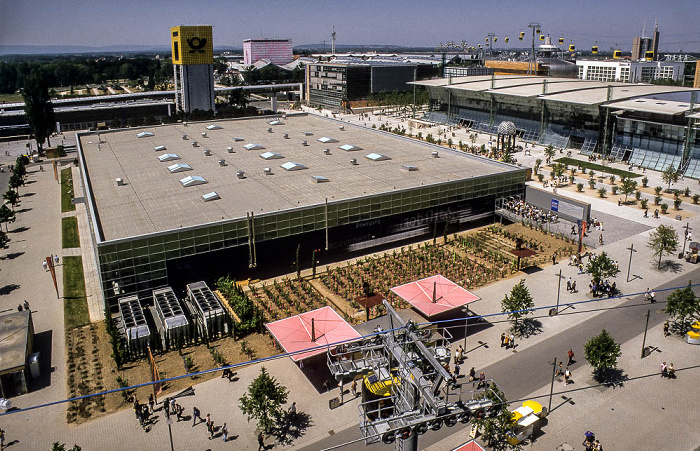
(522, 35)
(561, 40)
(649, 55)
(506, 39)
(495, 38)
(617, 54)
(538, 30)
(541, 37)
(572, 47)
(594, 49)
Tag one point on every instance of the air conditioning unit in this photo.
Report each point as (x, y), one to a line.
(207, 152)
(195, 144)
(353, 161)
(204, 134)
(222, 162)
(304, 143)
(286, 136)
(327, 151)
(229, 149)
(240, 174)
(268, 171)
(185, 137)
(120, 182)
(342, 127)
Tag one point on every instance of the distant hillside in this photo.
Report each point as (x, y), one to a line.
(82, 49)
(344, 48)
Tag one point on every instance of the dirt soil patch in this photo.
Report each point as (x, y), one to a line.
(91, 369)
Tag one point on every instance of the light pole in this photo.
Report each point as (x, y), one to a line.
(629, 267)
(644, 340)
(551, 387)
(169, 421)
(685, 240)
(558, 290)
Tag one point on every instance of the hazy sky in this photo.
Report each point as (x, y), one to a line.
(407, 22)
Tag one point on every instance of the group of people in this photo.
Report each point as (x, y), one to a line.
(566, 372)
(668, 371)
(528, 211)
(508, 341)
(571, 285)
(604, 288)
(650, 296)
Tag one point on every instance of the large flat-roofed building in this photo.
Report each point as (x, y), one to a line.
(349, 84)
(643, 123)
(630, 71)
(276, 51)
(252, 190)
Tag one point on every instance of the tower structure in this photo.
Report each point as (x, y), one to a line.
(193, 67)
(655, 40)
(333, 41)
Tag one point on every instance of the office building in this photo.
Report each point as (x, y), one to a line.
(276, 51)
(629, 71)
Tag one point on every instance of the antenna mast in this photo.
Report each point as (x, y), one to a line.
(333, 40)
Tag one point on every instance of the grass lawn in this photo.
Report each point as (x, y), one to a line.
(75, 309)
(69, 227)
(599, 168)
(66, 184)
(11, 98)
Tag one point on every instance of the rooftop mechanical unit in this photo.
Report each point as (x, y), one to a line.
(206, 310)
(173, 326)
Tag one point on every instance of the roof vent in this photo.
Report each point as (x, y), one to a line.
(286, 136)
(120, 182)
(308, 133)
(230, 150)
(213, 127)
(304, 143)
(353, 161)
(222, 162)
(185, 137)
(435, 154)
(409, 167)
(160, 148)
(268, 171)
(342, 127)
(240, 174)
(144, 134)
(269, 129)
(327, 151)
(237, 139)
(204, 134)
(207, 152)
(210, 196)
(185, 123)
(195, 144)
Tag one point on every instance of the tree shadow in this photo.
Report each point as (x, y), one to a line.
(610, 377)
(671, 266)
(28, 194)
(12, 256)
(23, 210)
(20, 229)
(291, 427)
(9, 288)
(530, 326)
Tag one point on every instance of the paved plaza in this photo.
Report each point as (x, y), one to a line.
(646, 412)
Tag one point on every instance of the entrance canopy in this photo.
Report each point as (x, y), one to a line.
(296, 333)
(434, 295)
(470, 446)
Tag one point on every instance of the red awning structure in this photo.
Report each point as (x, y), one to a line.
(470, 446)
(299, 332)
(434, 294)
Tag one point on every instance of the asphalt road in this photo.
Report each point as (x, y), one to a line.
(524, 372)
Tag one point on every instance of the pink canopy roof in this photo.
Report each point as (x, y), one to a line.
(470, 446)
(447, 294)
(294, 333)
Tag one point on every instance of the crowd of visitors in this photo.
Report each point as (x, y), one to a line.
(529, 211)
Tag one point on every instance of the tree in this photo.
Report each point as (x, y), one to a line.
(550, 153)
(496, 429)
(4, 239)
(602, 353)
(264, 400)
(670, 175)
(6, 215)
(627, 186)
(602, 267)
(38, 109)
(682, 304)
(12, 197)
(518, 304)
(663, 239)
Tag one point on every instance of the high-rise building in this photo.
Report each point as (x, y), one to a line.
(193, 67)
(641, 45)
(276, 51)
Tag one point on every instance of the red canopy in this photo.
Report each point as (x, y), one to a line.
(470, 446)
(294, 333)
(446, 294)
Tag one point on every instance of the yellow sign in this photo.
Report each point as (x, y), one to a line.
(192, 44)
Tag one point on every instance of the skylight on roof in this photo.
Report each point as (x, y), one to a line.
(144, 134)
(193, 180)
(253, 146)
(276, 122)
(409, 167)
(349, 147)
(160, 148)
(319, 179)
(168, 157)
(213, 127)
(270, 156)
(211, 196)
(377, 157)
(179, 167)
(291, 166)
(326, 140)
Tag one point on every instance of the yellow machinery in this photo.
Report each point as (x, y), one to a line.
(376, 389)
(594, 49)
(527, 419)
(617, 54)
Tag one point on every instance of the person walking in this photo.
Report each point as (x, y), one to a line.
(178, 411)
(568, 285)
(211, 430)
(208, 421)
(511, 340)
(354, 388)
(224, 432)
(195, 414)
(151, 402)
(506, 339)
(293, 411)
(570, 355)
(567, 376)
(664, 370)
(261, 441)
(503, 339)
(652, 296)
(560, 370)
(2, 438)
(666, 327)
(482, 381)
(26, 305)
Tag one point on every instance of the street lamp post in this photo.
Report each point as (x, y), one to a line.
(466, 324)
(558, 290)
(551, 387)
(629, 267)
(685, 240)
(169, 421)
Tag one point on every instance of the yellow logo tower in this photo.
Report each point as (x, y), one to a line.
(193, 63)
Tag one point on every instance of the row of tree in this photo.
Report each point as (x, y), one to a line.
(11, 196)
(14, 75)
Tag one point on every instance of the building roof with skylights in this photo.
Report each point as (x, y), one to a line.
(154, 200)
